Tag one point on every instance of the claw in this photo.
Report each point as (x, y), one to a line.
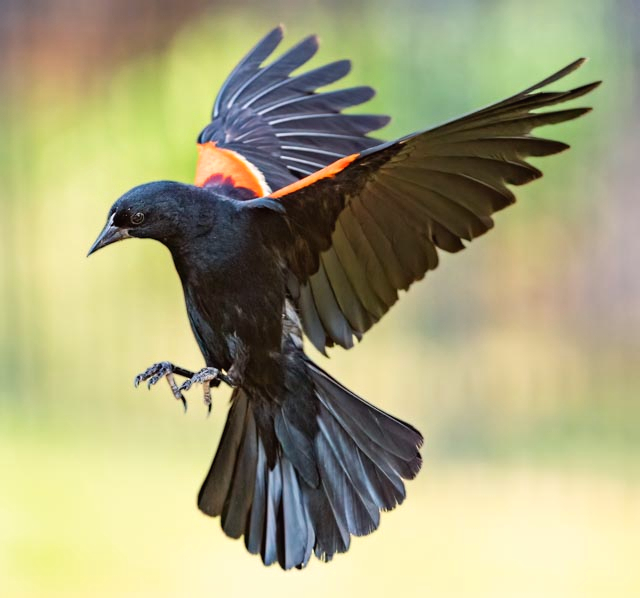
(205, 377)
(155, 379)
(155, 373)
(207, 396)
(186, 385)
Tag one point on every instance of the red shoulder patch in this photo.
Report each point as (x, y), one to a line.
(215, 163)
(325, 173)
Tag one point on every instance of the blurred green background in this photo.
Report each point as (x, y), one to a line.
(519, 359)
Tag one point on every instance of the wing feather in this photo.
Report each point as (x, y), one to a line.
(277, 124)
(386, 212)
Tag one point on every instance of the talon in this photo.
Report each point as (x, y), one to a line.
(186, 385)
(156, 372)
(206, 377)
(207, 395)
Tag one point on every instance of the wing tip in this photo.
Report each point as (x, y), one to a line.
(591, 86)
(560, 74)
(581, 112)
(579, 62)
(272, 38)
(312, 40)
(383, 120)
(572, 66)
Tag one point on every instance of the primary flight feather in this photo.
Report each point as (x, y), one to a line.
(302, 223)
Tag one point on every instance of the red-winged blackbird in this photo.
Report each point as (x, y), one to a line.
(301, 222)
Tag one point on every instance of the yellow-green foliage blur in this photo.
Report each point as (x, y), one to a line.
(518, 359)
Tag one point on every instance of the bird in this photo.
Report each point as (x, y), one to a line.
(301, 225)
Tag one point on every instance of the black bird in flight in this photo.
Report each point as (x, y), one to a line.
(299, 222)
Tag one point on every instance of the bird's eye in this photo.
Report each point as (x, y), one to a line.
(137, 218)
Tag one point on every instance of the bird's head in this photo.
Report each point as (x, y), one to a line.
(158, 210)
(175, 213)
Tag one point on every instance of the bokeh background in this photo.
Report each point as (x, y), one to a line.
(519, 359)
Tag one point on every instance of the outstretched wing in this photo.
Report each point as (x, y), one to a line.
(372, 223)
(270, 128)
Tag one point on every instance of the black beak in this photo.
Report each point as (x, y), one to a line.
(110, 234)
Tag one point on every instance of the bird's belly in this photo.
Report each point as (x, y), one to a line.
(229, 326)
(211, 339)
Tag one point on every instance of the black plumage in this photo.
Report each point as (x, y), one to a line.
(264, 255)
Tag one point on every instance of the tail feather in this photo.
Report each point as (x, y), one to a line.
(295, 529)
(216, 486)
(271, 540)
(339, 462)
(391, 434)
(389, 469)
(358, 477)
(342, 493)
(238, 502)
(254, 534)
(297, 445)
(331, 533)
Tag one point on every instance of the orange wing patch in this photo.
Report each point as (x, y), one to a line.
(325, 173)
(214, 161)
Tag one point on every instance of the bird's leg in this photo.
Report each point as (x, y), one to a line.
(208, 377)
(167, 370)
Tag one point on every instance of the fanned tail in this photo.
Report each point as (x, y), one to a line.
(305, 475)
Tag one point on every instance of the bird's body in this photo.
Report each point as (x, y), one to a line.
(234, 299)
(300, 224)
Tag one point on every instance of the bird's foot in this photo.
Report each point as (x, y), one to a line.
(207, 377)
(163, 369)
